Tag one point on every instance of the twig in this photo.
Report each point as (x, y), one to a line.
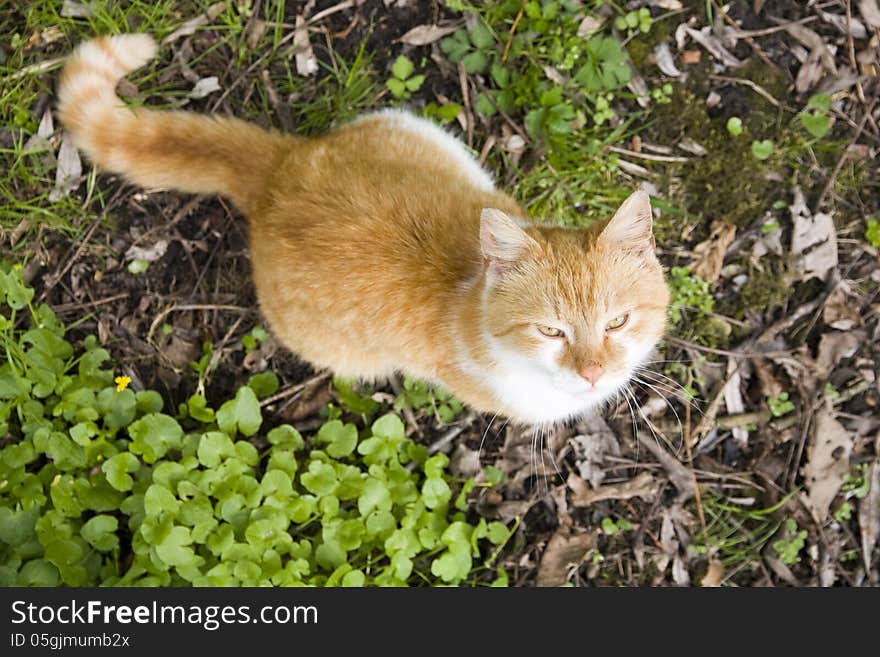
(648, 156)
(340, 6)
(767, 31)
(725, 352)
(851, 50)
(755, 87)
(443, 441)
(294, 390)
(39, 67)
(749, 40)
(194, 306)
(67, 307)
(466, 103)
(513, 27)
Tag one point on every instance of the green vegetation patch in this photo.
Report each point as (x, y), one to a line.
(100, 486)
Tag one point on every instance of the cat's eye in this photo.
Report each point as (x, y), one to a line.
(550, 331)
(617, 322)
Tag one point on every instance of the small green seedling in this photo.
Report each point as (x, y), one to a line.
(254, 338)
(780, 405)
(403, 83)
(769, 226)
(611, 527)
(734, 126)
(662, 94)
(635, 20)
(872, 233)
(789, 548)
(763, 149)
(446, 112)
(817, 122)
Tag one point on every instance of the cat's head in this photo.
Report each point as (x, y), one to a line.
(570, 313)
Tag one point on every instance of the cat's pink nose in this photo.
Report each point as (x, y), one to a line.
(593, 372)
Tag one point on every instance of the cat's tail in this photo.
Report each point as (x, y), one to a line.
(159, 148)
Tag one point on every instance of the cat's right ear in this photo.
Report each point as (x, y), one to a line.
(502, 242)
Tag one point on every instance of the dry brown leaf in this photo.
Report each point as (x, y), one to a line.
(314, 397)
(835, 346)
(680, 574)
(855, 26)
(638, 85)
(663, 57)
(690, 145)
(594, 441)
(464, 462)
(713, 45)
(841, 309)
(870, 11)
(810, 72)
(180, 352)
(643, 485)
(733, 401)
(422, 35)
(564, 552)
(150, 253)
(189, 28)
(827, 462)
(869, 515)
(814, 42)
(255, 32)
(40, 141)
(505, 511)
(714, 574)
(668, 5)
(71, 9)
(69, 171)
(306, 64)
(589, 26)
(204, 87)
(813, 239)
(710, 254)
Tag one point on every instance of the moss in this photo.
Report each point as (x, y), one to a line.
(767, 289)
(728, 182)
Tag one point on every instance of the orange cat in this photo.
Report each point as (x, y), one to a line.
(384, 247)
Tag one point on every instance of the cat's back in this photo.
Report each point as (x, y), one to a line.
(395, 190)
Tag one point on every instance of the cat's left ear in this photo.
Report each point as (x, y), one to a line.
(631, 226)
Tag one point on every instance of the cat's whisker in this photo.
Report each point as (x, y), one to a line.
(673, 385)
(555, 466)
(543, 466)
(661, 385)
(627, 394)
(661, 376)
(658, 435)
(533, 455)
(664, 398)
(486, 433)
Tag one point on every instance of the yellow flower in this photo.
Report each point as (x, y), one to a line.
(121, 382)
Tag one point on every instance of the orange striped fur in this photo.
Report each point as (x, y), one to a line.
(383, 247)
